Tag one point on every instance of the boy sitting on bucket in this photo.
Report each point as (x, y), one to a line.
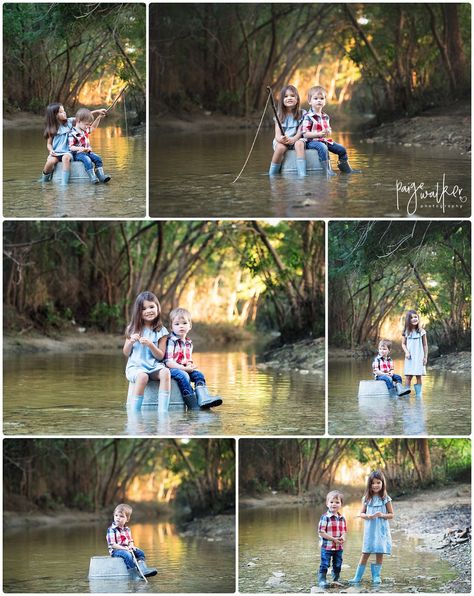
(179, 359)
(382, 367)
(120, 542)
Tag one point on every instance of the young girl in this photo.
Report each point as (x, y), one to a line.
(291, 117)
(141, 349)
(376, 511)
(56, 131)
(415, 346)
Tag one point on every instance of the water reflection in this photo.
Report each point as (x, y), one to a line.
(205, 186)
(24, 196)
(39, 560)
(444, 407)
(89, 396)
(284, 541)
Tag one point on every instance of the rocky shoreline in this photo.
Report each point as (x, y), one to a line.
(306, 357)
(450, 128)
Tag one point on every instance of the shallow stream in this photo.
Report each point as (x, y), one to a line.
(124, 157)
(193, 174)
(443, 409)
(86, 393)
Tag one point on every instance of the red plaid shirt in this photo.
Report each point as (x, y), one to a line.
(78, 137)
(334, 525)
(179, 350)
(385, 365)
(118, 536)
(312, 122)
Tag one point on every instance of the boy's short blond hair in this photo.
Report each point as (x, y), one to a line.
(180, 313)
(124, 508)
(316, 89)
(385, 343)
(84, 115)
(335, 493)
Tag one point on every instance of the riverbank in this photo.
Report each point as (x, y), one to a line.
(457, 362)
(306, 357)
(211, 527)
(429, 515)
(442, 126)
(79, 339)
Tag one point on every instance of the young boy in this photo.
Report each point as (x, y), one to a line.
(316, 130)
(332, 532)
(382, 367)
(120, 541)
(80, 146)
(179, 359)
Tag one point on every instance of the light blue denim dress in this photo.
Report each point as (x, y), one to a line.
(60, 141)
(141, 358)
(377, 537)
(415, 365)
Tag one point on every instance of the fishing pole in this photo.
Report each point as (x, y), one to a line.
(116, 99)
(275, 111)
(138, 566)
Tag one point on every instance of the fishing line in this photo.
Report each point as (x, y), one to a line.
(256, 135)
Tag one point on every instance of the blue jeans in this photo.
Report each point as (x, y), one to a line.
(184, 379)
(323, 148)
(88, 159)
(389, 380)
(326, 556)
(127, 557)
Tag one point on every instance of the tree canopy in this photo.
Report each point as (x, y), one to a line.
(246, 273)
(93, 474)
(301, 466)
(73, 53)
(378, 270)
(384, 58)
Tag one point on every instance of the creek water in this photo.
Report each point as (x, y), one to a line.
(196, 172)
(86, 393)
(443, 409)
(56, 559)
(283, 540)
(124, 157)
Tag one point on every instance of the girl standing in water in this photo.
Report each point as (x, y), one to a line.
(376, 511)
(415, 346)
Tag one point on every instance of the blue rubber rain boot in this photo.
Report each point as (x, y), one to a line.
(163, 400)
(401, 390)
(345, 167)
(418, 388)
(358, 575)
(65, 178)
(274, 169)
(147, 571)
(301, 167)
(376, 569)
(46, 177)
(322, 583)
(102, 177)
(136, 403)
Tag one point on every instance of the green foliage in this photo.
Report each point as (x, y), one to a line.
(287, 485)
(105, 316)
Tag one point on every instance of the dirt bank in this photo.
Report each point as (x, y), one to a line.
(446, 127)
(306, 356)
(428, 515)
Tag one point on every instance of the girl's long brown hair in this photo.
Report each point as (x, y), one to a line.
(408, 329)
(377, 474)
(136, 322)
(281, 106)
(51, 120)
